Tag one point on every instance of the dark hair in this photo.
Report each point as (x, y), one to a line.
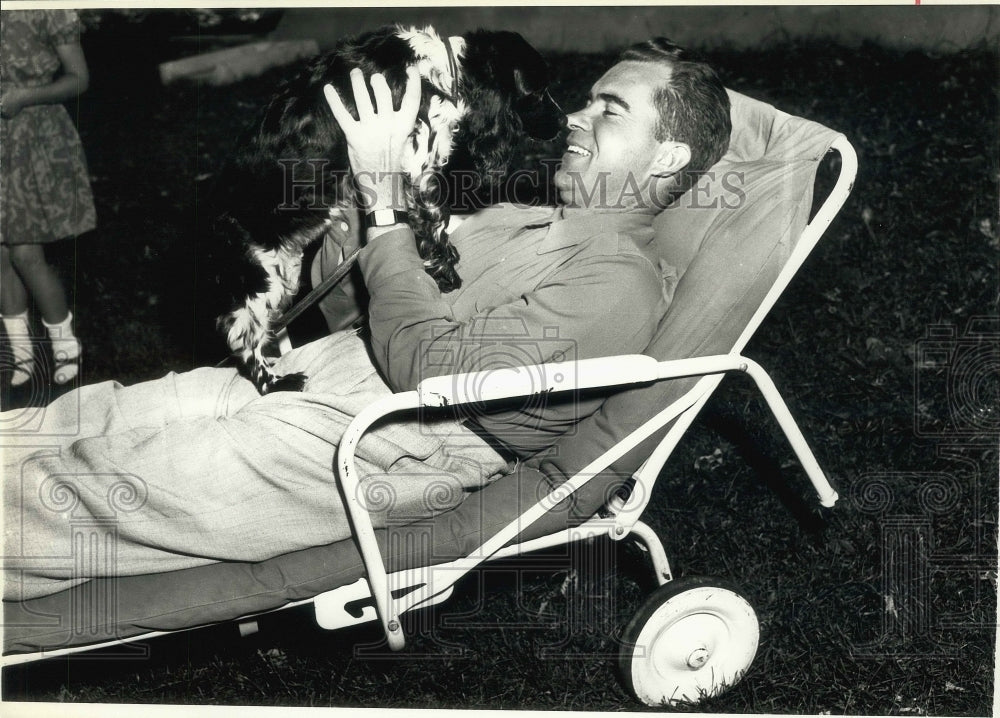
(693, 105)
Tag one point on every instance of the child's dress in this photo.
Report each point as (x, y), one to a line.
(43, 172)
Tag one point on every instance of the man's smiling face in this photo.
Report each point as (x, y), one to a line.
(612, 143)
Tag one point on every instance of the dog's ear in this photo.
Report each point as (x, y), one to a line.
(540, 115)
(531, 71)
(489, 132)
(506, 94)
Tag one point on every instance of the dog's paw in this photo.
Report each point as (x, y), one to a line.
(288, 382)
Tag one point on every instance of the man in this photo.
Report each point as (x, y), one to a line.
(199, 469)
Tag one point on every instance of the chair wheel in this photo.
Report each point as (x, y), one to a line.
(692, 638)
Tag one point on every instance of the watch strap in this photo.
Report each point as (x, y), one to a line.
(384, 218)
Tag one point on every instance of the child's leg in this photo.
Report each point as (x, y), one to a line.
(47, 290)
(13, 296)
(41, 280)
(14, 309)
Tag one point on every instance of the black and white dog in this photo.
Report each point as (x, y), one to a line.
(482, 92)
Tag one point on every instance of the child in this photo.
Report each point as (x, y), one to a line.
(45, 185)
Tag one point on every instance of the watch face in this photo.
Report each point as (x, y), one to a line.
(385, 218)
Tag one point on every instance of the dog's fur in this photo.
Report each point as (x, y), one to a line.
(262, 229)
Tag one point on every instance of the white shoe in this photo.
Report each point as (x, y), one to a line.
(24, 364)
(66, 355)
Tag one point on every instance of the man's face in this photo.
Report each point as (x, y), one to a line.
(612, 148)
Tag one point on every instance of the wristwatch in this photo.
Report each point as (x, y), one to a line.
(384, 218)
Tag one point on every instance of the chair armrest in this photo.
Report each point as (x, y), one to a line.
(510, 382)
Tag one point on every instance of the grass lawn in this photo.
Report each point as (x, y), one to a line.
(848, 625)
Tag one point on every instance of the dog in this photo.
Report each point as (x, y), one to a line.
(481, 93)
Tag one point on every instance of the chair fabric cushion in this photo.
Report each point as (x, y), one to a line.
(728, 239)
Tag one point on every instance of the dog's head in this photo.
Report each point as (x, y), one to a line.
(504, 85)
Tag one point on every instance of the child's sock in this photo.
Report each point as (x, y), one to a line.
(22, 346)
(65, 349)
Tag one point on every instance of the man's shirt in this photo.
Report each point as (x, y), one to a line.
(537, 287)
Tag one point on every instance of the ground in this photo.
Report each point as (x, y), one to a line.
(885, 347)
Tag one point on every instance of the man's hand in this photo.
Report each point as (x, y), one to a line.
(377, 142)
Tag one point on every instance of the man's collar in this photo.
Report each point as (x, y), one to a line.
(570, 228)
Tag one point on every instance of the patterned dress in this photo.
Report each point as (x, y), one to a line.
(43, 172)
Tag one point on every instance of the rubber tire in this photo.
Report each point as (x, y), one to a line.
(732, 621)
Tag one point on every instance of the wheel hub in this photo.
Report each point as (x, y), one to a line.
(697, 658)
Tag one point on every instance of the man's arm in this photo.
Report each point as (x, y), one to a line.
(347, 301)
(595, 306)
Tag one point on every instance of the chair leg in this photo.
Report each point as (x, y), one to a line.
(827, 495)
(661, 566)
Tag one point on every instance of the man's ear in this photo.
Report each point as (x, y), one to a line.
(672, 157)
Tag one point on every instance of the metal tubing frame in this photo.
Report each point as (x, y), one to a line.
(684, 409)
(811, 234)
(357, 508)
(657, 556)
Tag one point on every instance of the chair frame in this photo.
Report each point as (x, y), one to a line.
(429, 585)
(432, 584)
